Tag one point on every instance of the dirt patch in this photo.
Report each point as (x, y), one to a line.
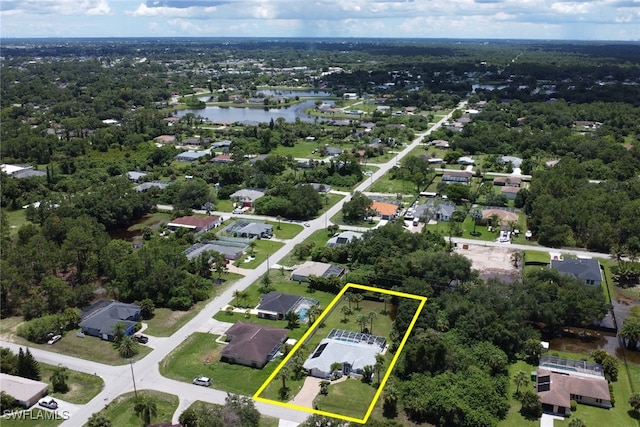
(504, 216)
(490, 261)
(211, 357)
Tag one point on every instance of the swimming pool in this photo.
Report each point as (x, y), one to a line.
(302, 313)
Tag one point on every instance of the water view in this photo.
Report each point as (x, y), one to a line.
(258, 115)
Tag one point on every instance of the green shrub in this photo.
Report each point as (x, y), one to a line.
(574, 405)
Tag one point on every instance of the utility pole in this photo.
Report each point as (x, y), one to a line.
(135, 391)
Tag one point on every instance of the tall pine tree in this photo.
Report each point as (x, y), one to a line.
(28, 367)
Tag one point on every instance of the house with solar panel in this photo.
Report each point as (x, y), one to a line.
(352, 350)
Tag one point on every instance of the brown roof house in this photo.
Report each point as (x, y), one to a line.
(559, 381)
(251, 344)
(196, 223)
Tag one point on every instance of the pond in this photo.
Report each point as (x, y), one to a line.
(254, 115)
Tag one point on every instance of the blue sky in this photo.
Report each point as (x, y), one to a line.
(501, 19)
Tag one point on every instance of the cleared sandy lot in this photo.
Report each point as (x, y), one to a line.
(490, 261)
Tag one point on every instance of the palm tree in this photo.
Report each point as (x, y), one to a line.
(371, 316)
(98, 420)
(362, 320)
(266, 281)
(146, 409)
(357, 298)
(118, 330)
(59, 379)
(284, 374)
(577, 422)
(521, 380)
(336, 367)
(634, 402)
(630, 331)
(293, 321)
(236, 295)
(477, 216)
(349, 297)
(378, 366)
(313, 313)
(346, 311)
(386, 298)
(127, 347)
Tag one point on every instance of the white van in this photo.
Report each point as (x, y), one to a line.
(203, 381)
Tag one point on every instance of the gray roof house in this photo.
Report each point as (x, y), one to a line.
(251, 344)
(353, 354)
(246, 196)
(313, 268)
(462, 177)
(434, 210)
(587, 270)
(230, 249)
(465, 160)
(515, 161)
(255, 229)
(99, 319)
(343, 238)
(275, 305)
(26, 392)
(151, 184)
(190, 156)
(135, 176)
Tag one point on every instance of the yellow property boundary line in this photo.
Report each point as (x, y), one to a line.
(318, 321)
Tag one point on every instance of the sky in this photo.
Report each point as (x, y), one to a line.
(457, 19)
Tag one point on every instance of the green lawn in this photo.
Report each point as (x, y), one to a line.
(301, 149)
(513, 418)
(263, 248)
(392, 186)
(224, 205)
(121, 413)
(318, 238)
(285, 230)
(349, 398)
(166, 321)
(16, 219)
(199, 355)
(82, 387)
(339, 220)
(151, 220)
(329, 200)
(35, 417)
(537, 257)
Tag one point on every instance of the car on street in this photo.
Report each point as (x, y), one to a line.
(49, 404)
(306, 224)
(203, 381)
(54, 339)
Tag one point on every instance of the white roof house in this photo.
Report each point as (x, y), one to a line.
(343, 238)
(26, 392)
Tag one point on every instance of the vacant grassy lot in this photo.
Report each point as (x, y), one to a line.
(82, 387)
(120, 410)
(318, 238)
(151, 220)
(392, 186)
(285, 230)
(165, 321)
(537, 257)
(514, 418)
(350, 398)
(262, 249)
(200, 355)
(16, 219)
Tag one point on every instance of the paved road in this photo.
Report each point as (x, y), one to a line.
(118, 379)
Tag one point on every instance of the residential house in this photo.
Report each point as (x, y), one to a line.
(251, 344)
(165, 139)
(25, 391)
(135, 176)
(467, 161)
(251, 230)
(587, 270)
(231, 249)
(510, 192)
(190, 156)
(221, 144)
(319, 269)
(20, 171)
(343, 238)
(276, 305)
(151, 184)
(515, 161)
(385, 210)
(99, 319)
(436, 210)
(559, 381)
(246, 197)
(352, 350)
(320, 188)
(196, 223)
(331, 151)
(222, 159)
(461, 177)
(507, 181)
(440, 143)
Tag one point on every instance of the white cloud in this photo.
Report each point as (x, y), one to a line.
(56, 7)
(571, 8)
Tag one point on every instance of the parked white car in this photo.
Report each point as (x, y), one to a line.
(203, 381)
